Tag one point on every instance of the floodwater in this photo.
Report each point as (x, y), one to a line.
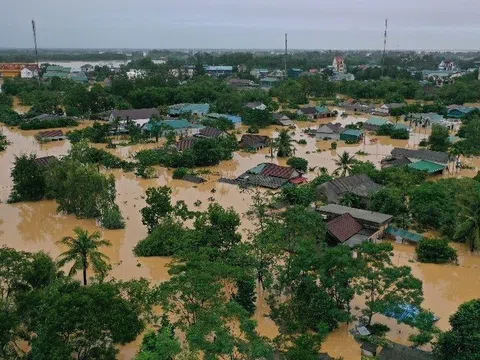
(37, 226)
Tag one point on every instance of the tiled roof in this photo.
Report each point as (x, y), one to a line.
(360, 185)
(254, 141)
(358, 214)
(344, 227)
(50, 133)
(262, 180)
(185, 143)
(284, 172)
(211, 132)
(135, 114)
(308, 110)
(402, 352)
(15, 66)
(421, 154)
(44, 161)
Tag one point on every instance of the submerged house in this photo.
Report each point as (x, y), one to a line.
(139, 116)
(211, 132)
(51, 135)
(360, 185)
(353, 135)
(270, 176)
(254, 142)
(374, 123)
(283, 120)
(45, 161)
(394, 351)
(179, 127)
(236, 120)
(346, 231)
(194, 109)
(433, 162)
(459, 111)
(329, 131)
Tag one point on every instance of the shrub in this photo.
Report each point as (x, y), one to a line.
(48, 123)
(302, 142)
(180, 173)
(298, 164)
(111, 217)
(253, 129)
(333, 146)
(435, 251)
(162, 241)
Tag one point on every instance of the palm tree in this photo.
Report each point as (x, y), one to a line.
(468, 229)
(83, 252)
(283, 144)
(344, 163)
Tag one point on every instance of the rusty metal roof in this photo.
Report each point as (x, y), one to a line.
(50, 133)
(185, 143)
(284, 172)
(344, 227)
(44, 161)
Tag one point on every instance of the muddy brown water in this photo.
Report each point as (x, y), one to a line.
(37, 226)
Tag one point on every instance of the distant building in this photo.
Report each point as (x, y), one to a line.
(268, 82)
(256, 106)
(339, 64)
(236, 120)
(11, 70)
(315, 112)
(242, 83)
(133, 74)
(294, 73)
(87, 68)
(329, 131)
(447, 65)
(179, 127)
(458, 111)
(219, 70)
(57, 71)
(259, 73)
(343, 76)
(194, 109)
(29, 72)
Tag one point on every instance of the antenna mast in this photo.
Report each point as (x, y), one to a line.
(36, 49)
(286, 53)
(384, 45)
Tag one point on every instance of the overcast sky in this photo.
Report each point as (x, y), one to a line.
(311, 24)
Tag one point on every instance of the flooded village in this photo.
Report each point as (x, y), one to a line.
(34, 226)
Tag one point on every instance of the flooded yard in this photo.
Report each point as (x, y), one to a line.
(37, 226)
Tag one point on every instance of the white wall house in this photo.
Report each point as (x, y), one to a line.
(339, 64)
(27, 73)
(135, 74)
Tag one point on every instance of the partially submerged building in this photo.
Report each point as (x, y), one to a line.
(333, 191)
(343, 224)
(433, 162)
(51, 135)
(270, 176)
(139, 116)
(254, 142)
(195, 109)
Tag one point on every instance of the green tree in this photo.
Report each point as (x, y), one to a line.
(384, 285)
(159, 346)
(283, 144)
(438, 139)
(393, 201)
(259, 118)
(158, 207)
(298, 164)
(246, 295)
(468, 228)
(435, 251)
(462, 341)
(83, 252)
(344, 163)
(28, 179)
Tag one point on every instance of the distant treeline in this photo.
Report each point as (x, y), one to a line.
(29, 56)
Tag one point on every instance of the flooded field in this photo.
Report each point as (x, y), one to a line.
(37, 226)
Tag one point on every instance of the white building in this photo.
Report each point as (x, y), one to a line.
(447, 65)
(135, 74)
(339, 64)
(29, 73)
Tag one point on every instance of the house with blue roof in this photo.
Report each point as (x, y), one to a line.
(458, 111)
(194, 109)
(218, 70)
(236, 120)
(179, 127)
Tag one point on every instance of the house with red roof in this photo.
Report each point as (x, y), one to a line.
(270, 176)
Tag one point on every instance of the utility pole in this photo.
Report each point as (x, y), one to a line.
(36, 49)
(384, 45)
(286, 53)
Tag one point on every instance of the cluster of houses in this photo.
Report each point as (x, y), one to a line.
(23, 70)
(335, 131)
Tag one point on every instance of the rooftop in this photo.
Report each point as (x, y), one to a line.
(252, 140)
(358, 214)
(188, 108)
(360, 185)
(402, 352)
(135, 114)
(377, 121)
(344, 227)
(428, 166)
(211, 132)
(50, 133)
(421, 154)
(44, 161)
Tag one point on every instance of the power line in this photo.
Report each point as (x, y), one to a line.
(384, 45)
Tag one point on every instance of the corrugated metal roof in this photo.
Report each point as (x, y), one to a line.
(211, 132)
(427, 166)
(185, 143)
(135, 114)
(358, 214)
(44, 161)
(377, 121)
(405, 234)
(421, 154)
(353, 132)
(179, 109)
(274, 170)
(254, 141)
(360, 185)
(50, 133)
